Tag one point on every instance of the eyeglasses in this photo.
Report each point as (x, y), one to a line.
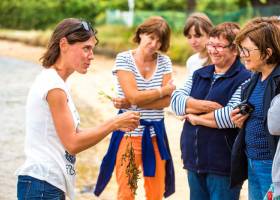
(219, 48)
(245, 51)
(84, 25)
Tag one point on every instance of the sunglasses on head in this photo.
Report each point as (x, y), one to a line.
(84, 25)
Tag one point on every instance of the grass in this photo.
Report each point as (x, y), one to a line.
(32, 37)
(112, 40)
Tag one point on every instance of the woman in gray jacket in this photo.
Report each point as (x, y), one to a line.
(273, 122)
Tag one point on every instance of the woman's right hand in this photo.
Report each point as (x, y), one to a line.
(237, 118)
(127, 121)
(210, 106)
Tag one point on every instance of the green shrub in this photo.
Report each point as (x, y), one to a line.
(116, 38)
(43, 14)
(179, 49)
(112, 40)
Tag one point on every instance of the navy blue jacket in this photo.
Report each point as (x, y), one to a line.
(238, 158)
(148, 157)
(204, 149)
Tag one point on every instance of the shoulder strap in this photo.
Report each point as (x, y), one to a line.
(248, 87)
(277, 83)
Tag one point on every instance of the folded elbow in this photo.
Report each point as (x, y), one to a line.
(273, 129)
(72, 149)
(273, 121)
(133, 100)
(166, 104)
(274, 132)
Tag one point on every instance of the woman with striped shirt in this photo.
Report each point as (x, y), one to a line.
(144, 85)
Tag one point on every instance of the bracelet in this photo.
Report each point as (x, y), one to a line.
(134, 107)
(160, 92)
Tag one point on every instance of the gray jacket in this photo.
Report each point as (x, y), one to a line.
(273, 123)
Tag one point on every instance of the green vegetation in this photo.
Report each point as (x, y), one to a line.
(35, 38)
(112, 39)
(44, 14)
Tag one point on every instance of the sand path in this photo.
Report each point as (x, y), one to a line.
(95, 108)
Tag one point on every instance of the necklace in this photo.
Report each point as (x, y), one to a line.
(147, 69)
(140, 61)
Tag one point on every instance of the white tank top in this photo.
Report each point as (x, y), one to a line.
(46, 157)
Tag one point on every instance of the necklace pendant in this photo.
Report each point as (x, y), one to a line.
(146, 69)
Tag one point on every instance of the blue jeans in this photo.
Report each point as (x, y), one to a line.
(259, 178)
(29, 188)
(211, 187)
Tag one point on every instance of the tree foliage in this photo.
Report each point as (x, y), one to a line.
(42, 14)
(178, 5)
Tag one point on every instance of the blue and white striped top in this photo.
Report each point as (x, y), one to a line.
(125, 61)
(222, 116)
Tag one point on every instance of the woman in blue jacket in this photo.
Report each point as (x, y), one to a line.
(254, 147)
(206, 101)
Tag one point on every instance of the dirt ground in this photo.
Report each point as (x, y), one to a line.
(94, 108)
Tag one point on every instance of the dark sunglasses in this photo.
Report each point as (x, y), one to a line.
(84, 25)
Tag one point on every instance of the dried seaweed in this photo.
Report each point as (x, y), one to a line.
(132, 172)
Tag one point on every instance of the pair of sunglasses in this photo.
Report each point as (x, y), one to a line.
(84, 25)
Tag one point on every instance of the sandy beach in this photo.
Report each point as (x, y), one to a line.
(93, 108)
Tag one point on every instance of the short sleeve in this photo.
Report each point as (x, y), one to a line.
(166, 63)
(123, 62)
(50, 80)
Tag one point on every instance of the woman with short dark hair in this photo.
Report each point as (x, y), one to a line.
(254, 148)
(205, 101)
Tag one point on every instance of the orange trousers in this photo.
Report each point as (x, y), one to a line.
(154, 186)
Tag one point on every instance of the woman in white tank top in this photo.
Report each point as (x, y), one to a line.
(53, 137)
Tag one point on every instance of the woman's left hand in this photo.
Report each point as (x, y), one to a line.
(120, 103)
(237, 118)
(192, 119)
